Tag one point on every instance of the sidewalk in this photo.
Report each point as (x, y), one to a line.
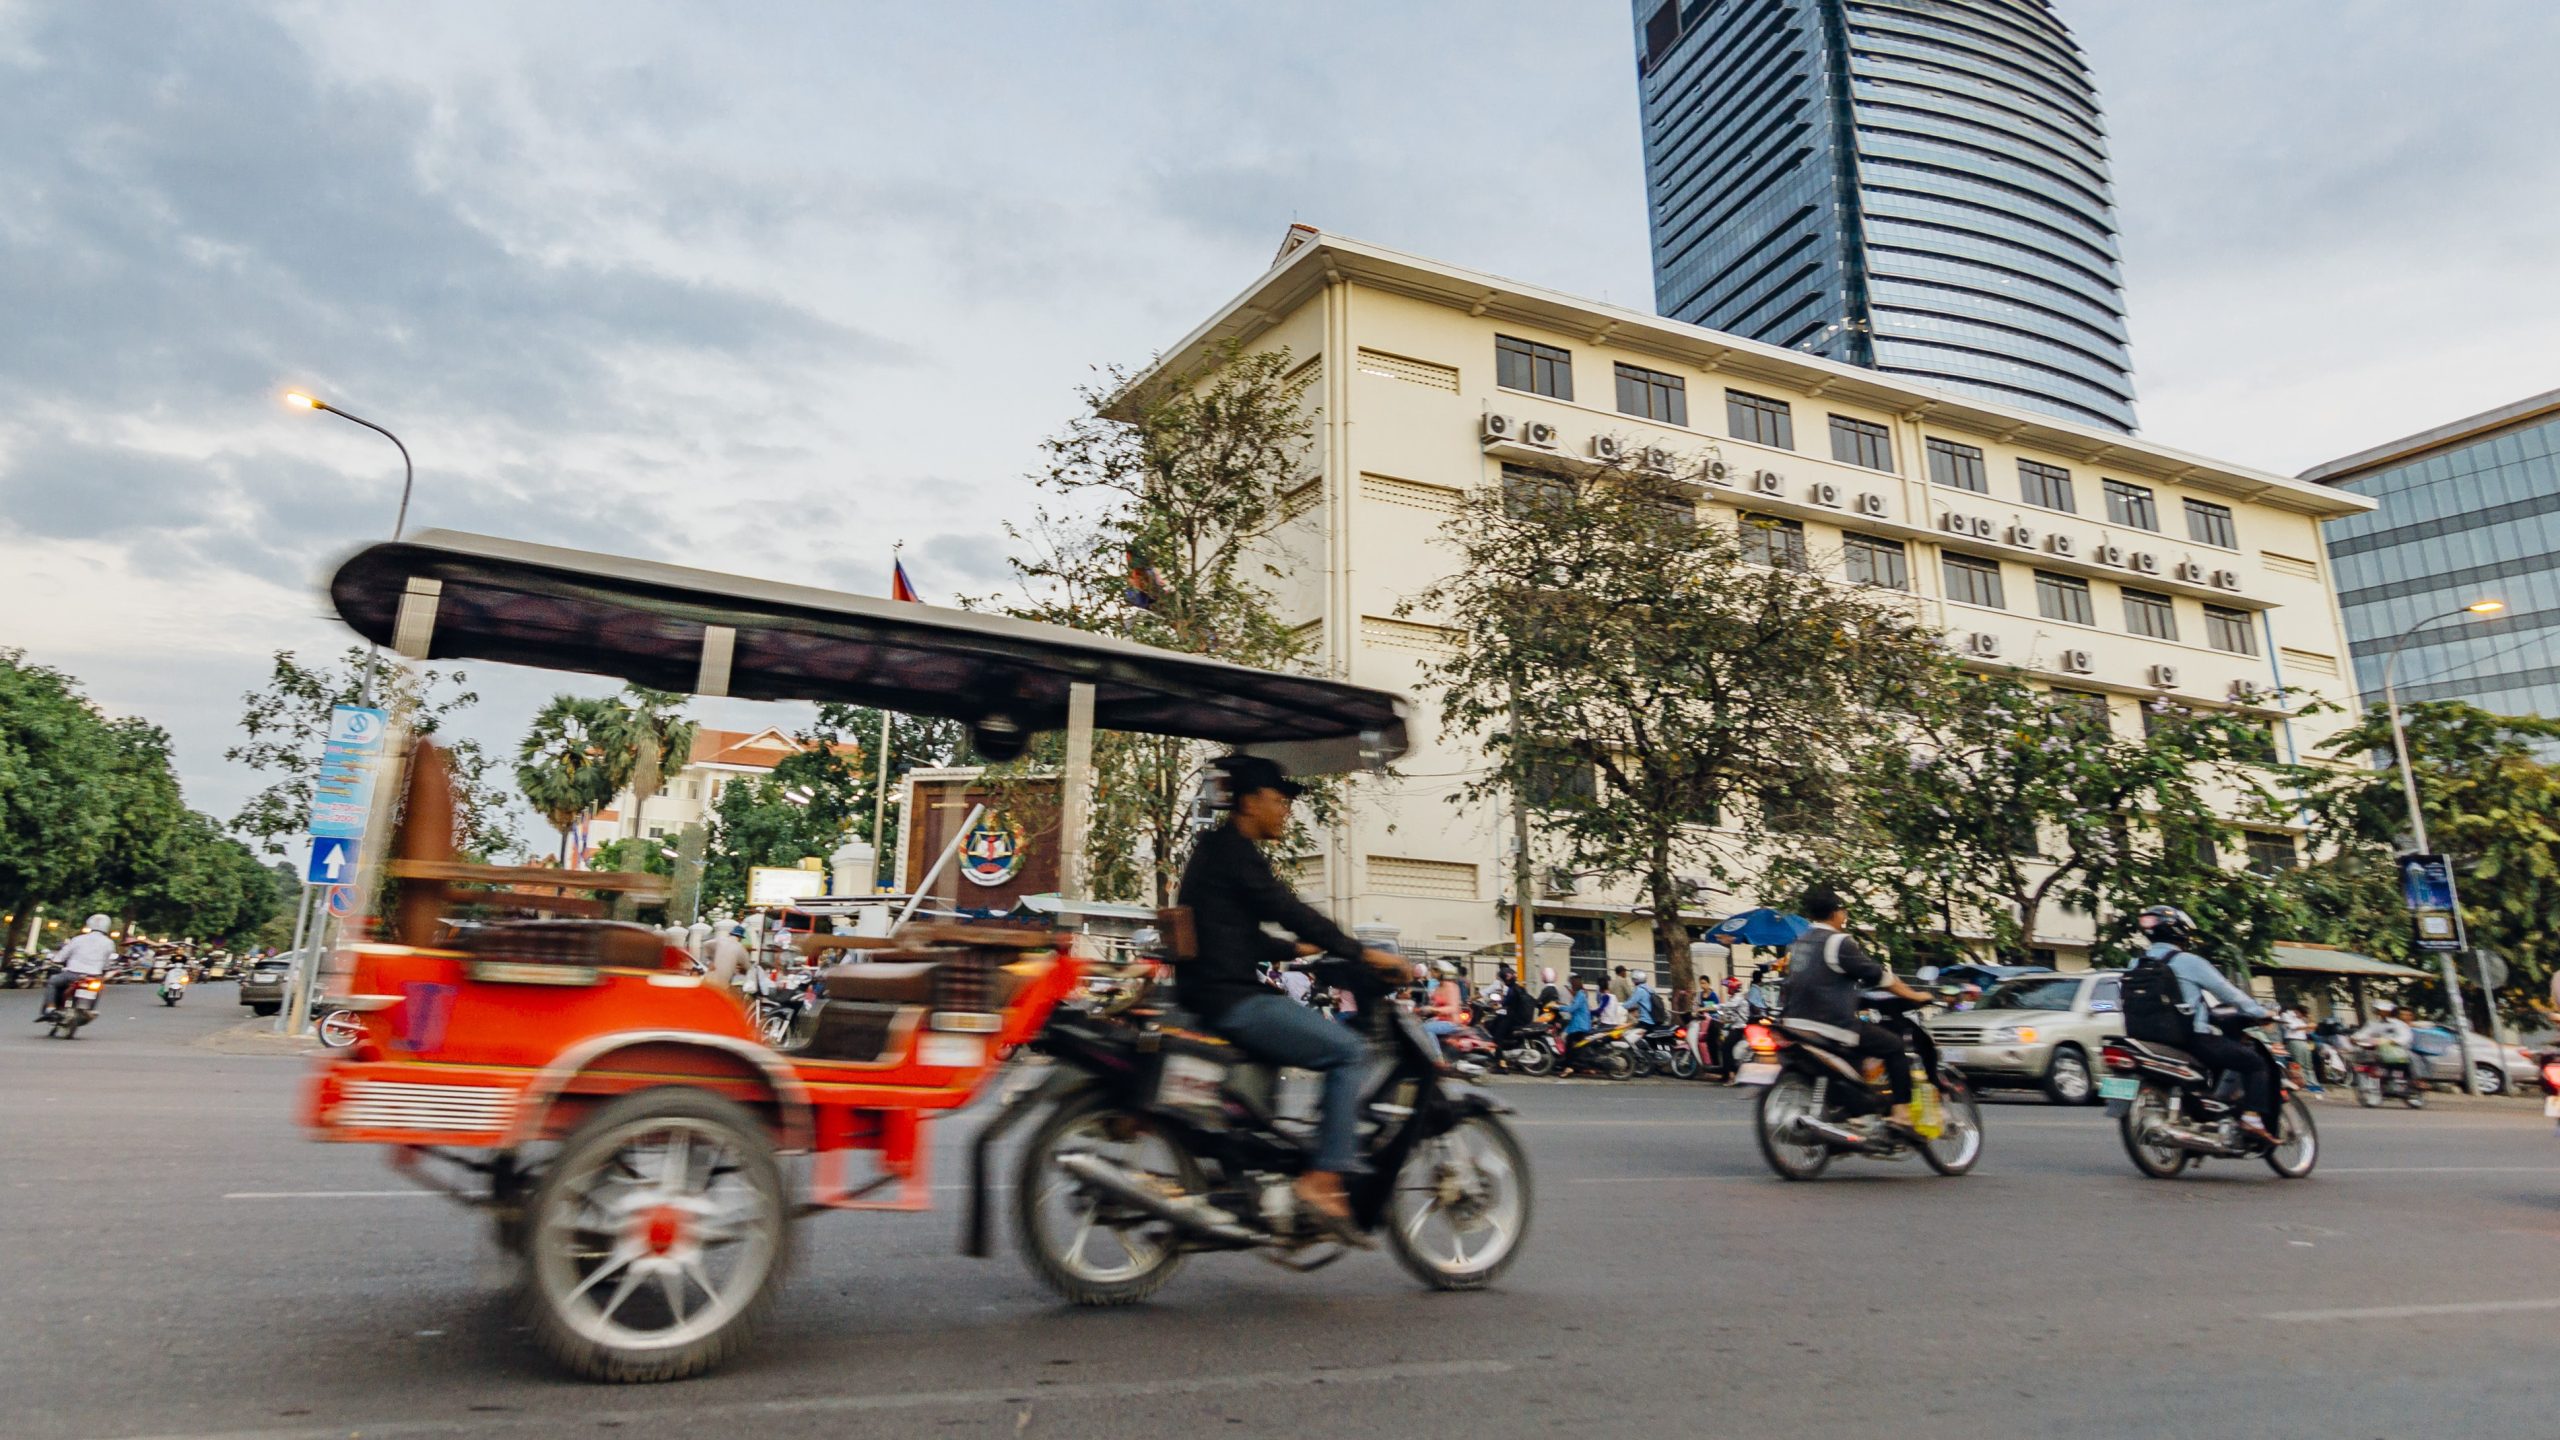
(256, 1036)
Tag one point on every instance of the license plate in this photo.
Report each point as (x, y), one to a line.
(2551, 1107)
(957, 1052)
(1954, 1054)
(1189, 1082)
(2118, 1087)
(1758, 1072)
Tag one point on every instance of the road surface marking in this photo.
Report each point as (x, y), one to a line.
(2443, 1170)
(2416, 1312)
(412, 1194)
(1027, 1394)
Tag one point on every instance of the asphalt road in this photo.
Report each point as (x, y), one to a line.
(175, 1259)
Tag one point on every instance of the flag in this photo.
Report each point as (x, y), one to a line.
(900, 587)
(1145, 585)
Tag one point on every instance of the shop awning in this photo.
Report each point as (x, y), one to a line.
(2330, 960)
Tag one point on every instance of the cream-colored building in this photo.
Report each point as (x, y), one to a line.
(719, 759)
(2090, 560)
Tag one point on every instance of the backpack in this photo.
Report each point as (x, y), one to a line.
(2152, 1008)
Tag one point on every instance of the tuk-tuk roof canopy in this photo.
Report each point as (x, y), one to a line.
(656, 625)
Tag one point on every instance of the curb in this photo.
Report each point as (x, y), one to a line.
(256, 1037)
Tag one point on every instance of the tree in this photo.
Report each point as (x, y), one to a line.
(648, 736)
(2492, 806)
(287, 724)
(1173, 493)
(1636, 679)
(1998, 803)
(208, 886)
(57, 810)
(572, 761)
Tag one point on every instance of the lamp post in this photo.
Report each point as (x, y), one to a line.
(2418, 833)
(408, 478)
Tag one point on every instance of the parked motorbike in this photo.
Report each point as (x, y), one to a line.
(1821, 1101)
(79, 1006)
(173, 985)
(1607, 1051)
(22, 970)
(2171, 1113)
(1161, 1141)
(1665, 1050)
(783, 999)
(2376, 1082)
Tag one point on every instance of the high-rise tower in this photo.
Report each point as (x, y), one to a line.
(1915, 185)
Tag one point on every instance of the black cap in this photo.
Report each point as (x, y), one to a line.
(1248, 773)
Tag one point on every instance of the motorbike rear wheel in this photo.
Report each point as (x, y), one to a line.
(1788, 1100)
(1089, 1248)
(1616, 1063)
(340, 1029)
(2300, 1149)
(1959, 1142)
(1536, 1058)
(1461, 1205)
(1684, 1063)
(2151, 1109)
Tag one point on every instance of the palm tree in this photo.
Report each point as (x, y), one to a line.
(649, 734)
(566, 766)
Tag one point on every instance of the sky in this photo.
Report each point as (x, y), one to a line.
(769, 289)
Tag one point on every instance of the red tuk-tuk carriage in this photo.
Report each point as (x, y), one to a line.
(621, 1120)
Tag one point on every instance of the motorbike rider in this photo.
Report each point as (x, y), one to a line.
(1231, 892)
(2389, 1037)
(88, 953)
(2170, 936)
(1826, 970)
(1643, 1004)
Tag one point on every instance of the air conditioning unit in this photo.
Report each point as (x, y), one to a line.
(1499, 427)
(1718, 472)
(1655, 460)
(2146, 563)
(1984, 527)
(2079, 662)
(1826, 493)
(2165, 676)
(2062, 545)
(1608, 449)
(2023, 536)
(1955, 524)
(2226, 579)
(1768, 482)
(1871, 503)
(2110, 555)
(1561, 881)
(2244, 693)
(1984, 644)
(2190, 572)
(1540, 434)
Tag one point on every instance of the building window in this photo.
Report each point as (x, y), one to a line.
(1974, 582)
(2132, 505)
(2087, 705)
(2210, 524)
(1876, 562)
(2230, 630)
(2064, 597)
(1957, 466)
(1770, 541)
(1528, 365)
(2271, 851)
(1760, 420)
(1534, 493)
(2045, 485)
(1856, 442)
(1557, 781)
(1653, 395)
(2150, 615)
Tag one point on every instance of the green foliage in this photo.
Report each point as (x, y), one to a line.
(1184, 474)
(1603, 628)
(573, 760)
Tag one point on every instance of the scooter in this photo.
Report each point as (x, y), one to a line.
(173, 985)
(79, 1007)
(2377, 1082)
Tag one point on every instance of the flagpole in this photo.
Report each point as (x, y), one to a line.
(880, 788)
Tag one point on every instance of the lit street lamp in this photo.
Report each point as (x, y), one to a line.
(2418, 832)
(408, 477)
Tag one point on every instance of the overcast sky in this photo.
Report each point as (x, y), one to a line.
(767, 288)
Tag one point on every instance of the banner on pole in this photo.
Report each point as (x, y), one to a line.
(342, 793)
(2426, 882)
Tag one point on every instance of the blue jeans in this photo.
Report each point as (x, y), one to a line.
(1279, 1031)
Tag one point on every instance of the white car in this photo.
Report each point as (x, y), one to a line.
(2501, 1067)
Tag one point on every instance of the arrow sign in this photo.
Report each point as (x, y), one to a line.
(333, 859)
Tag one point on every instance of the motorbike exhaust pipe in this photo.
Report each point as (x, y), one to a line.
(2201, 1142)
(1824, 1130)
(1188, 1213)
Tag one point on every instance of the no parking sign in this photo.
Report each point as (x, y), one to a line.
(342, 901)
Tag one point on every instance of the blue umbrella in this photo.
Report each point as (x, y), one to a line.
(1763, 926)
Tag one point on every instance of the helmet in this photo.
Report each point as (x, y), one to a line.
(2385, 1007)
(2167, 924)
(100, 923)
(1447, 968)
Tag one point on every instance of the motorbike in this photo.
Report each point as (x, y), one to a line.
(1821, 1101)
(2376, 1082)
(782, 999)
(173, 985)
(22, 970)
(1665, 1049)
(79, 1006)
(1607, 1051)
(1162, 1141)
(2171, 1113)
(2546, 1066)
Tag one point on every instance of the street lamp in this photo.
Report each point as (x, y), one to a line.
(2418, 833)
(408, 472)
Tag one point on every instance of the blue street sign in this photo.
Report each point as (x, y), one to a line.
(342, 793)
(332, 862)
(2426, 882)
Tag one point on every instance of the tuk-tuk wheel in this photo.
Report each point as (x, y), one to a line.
(656, 1238)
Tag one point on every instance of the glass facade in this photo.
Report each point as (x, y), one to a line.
(2470, 520)
(1920, 186)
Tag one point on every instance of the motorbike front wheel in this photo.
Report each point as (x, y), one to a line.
(340, 1029)
(1684, 1064)
(2149, 1111)
(1536, 1058)
(1788, 1102)
(1089, 1247)
(2300, 1148)
(1460, 1207)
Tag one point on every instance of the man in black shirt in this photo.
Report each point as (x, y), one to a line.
(1825, 972)
(1232, 893)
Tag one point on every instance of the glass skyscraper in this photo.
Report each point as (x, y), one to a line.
(1919, 186)
(2469, 511)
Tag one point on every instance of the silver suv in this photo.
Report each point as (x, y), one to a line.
(2041, 1030)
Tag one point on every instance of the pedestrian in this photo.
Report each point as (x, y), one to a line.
(2297, 1043)
(1620, 987)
